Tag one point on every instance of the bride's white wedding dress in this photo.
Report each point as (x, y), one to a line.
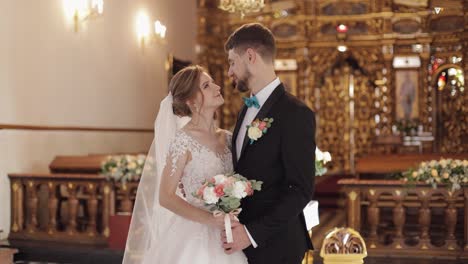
(186, 241)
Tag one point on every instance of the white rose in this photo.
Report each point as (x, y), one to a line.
(443, 163)
(318, 154)
(141, 159)
(209, 195)
(254, 133)
(132, 165)
(220, 178)
(238, 190)
(326, 157)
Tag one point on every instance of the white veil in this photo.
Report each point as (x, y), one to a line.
(149, 219)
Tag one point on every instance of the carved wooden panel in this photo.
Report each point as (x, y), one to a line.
(306, 32)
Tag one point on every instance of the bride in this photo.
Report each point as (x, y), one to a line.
(168, 224)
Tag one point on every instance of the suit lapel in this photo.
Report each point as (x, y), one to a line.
(240, 119)
(277, 93)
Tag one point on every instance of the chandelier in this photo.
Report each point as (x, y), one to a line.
(241, 6)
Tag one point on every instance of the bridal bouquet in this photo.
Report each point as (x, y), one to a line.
(321, 158)
(223, 193)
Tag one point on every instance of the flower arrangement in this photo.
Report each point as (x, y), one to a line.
(454, 173)
(407, 126)
(224, 192)
(257, 128)
(321, 158)
(123, 168)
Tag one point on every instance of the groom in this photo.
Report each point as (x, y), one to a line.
(273, 228)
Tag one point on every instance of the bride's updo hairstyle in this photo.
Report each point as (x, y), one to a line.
(184, 86)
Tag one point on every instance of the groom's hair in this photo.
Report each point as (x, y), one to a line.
(255, 36)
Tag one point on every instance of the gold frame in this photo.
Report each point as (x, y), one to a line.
(402, 76)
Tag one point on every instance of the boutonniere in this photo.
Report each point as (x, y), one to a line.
(257, 128)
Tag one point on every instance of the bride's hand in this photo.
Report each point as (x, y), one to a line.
(218, 221)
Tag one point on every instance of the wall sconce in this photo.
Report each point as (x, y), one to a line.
(82, 10)
(144, 31)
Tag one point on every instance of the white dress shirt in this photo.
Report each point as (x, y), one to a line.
(251, 113)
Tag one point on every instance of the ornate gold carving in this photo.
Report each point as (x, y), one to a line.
(15, 186)
(398, 192)
(352, 195)
(372, 192)
(343, 241)
(15, 227)
(372, 42)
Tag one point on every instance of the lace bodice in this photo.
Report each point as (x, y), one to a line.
(204, 164)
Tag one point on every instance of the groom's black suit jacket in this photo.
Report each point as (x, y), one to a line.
(284, 159)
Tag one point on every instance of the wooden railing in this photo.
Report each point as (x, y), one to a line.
(71, 204)
(398, 219)
(60, 207)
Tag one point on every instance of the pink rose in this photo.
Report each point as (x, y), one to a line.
(200, 191)
(219, 190)
(248, 188)
(262, 125)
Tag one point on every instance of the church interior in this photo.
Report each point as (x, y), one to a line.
(81, 82)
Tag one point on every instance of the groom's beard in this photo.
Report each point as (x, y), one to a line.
(242, 84)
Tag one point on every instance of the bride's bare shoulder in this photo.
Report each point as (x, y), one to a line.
(224, 132)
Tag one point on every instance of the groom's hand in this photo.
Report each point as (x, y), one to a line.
(240, 237)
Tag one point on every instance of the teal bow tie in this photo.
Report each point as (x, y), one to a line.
(252, 101)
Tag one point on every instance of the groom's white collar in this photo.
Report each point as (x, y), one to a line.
(264, 93)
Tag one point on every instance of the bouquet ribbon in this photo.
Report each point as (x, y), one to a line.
(227, 221)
